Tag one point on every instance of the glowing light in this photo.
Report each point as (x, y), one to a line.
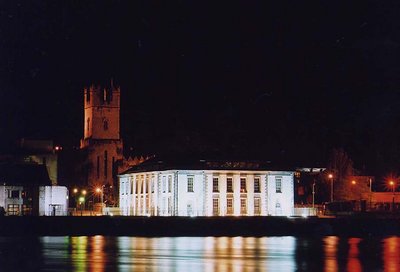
(81, 199)
(353, 182)
(84, 192)
(330, 176)
(75, 190)
(98, 190)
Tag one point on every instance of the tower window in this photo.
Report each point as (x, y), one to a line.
(98, 167)
(105, 163)
(105, 124)
(88, 125)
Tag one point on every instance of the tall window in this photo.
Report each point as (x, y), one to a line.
(215, 185)
(215, 206)
(243, 185)
(152, 185)
(243, 206)
(278, 184)
(256, 185)
(169, 184)
(105, 124)
(229, 206)
(257, 206)
(229, 186)
(190, 184)
(164, 185)
(98, 167)
(105, 163)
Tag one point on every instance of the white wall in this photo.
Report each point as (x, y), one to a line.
(280, 204)
(53, 195)
(200, 201)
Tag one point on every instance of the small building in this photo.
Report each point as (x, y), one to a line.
(206, 188)
(25, 189)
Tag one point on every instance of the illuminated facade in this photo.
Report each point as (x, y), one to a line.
(212, 189)
(101, 141)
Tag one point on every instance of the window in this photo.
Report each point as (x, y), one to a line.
(243, 206)
(257, 206)
(169, 184)
(98, 167)
(278, 184)
(229, 188)
(105, 124)
(215, 206)
(13, 194)
(137, 186)
(141, 185)
(164, 185)
(147, 185)
(13, 209)
(229, 206)
(105, 163)
(190, 184)
(26, 209)
(152, 185)
(257, 185)
(243, 185)
(215, 185)
(131, 186)
(122, 187)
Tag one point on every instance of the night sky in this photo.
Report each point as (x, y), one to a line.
(285, 82)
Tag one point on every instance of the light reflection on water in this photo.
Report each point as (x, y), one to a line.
(100, 253)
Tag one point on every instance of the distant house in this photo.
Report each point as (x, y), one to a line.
(205, 188)
(25, 189)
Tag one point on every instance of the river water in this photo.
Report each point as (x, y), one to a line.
(102, 253)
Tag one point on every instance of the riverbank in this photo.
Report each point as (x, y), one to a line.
(197, 226)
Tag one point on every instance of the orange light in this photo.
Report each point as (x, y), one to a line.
(84, 192)
(75, 190)
(391, 182)
(353, 182)
(330, 176)
(98, 190)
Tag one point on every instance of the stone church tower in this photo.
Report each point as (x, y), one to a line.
(101, 142)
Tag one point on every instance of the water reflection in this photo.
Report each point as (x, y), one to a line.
(99, 253)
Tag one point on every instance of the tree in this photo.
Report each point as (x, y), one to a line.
(341, 167)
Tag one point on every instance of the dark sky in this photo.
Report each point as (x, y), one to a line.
(285, 82)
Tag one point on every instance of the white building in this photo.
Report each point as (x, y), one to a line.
(206, 189)
(26, 189)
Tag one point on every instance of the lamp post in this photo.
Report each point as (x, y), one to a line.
(101, 192)
(392, 184)
(313, 194)
(81, 203)
(330, 176)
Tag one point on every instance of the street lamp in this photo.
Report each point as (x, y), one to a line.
(330, 176)
(100, 190)
(313, 194)
(392, 184)
(81, 203)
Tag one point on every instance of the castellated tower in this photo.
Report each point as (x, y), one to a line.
(101, 136)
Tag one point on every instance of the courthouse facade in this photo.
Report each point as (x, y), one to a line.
(206, 188)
